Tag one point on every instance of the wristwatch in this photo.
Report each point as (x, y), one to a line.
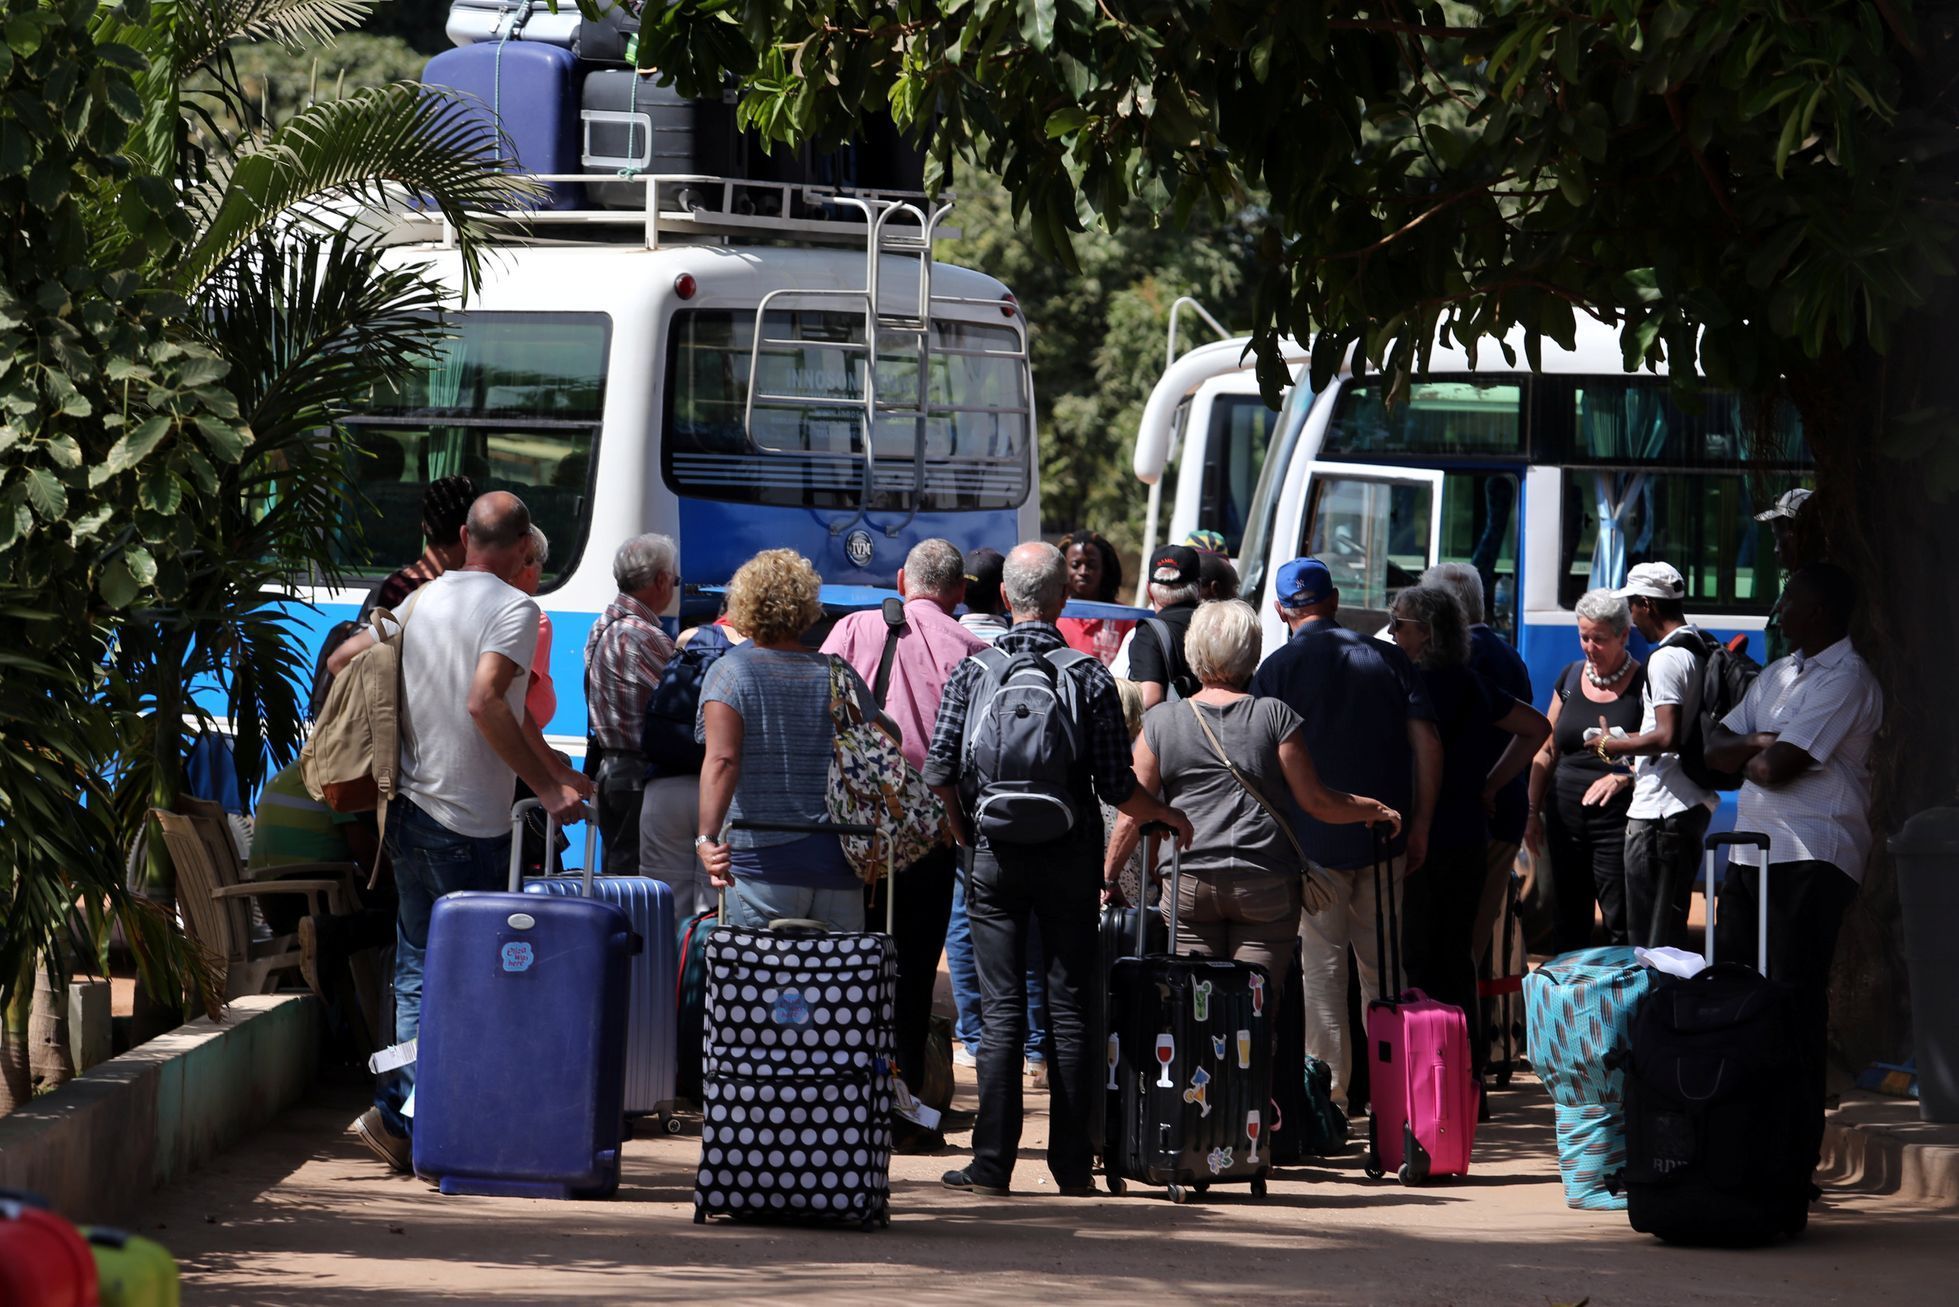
(703, 839)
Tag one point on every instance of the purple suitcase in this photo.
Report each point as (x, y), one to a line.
(531, 90)
(520, 1079)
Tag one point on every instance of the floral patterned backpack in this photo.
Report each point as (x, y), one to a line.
(871, 784)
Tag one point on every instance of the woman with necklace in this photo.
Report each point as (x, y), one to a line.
(1581, 831)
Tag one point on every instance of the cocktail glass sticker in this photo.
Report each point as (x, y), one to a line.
(1200, 1091)
(1219, 1160)
(1252, 1124)
(1258, 994)
(1244, 1050)
(1166, 1053)
(1200, 999)
(1115, 1056)
(1217, 1047)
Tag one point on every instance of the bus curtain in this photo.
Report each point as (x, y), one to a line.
(1623, 425)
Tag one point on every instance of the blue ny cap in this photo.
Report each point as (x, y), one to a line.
(1304, 582)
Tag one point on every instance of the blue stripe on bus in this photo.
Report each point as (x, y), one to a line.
(716, 538)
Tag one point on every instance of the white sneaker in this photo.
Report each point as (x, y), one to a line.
(963, 1056)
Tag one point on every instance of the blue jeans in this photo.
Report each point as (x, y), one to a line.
(430, 860)
(965, 981)
(755, 903)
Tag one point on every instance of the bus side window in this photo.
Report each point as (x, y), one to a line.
(1701, 522)
(1479, 527)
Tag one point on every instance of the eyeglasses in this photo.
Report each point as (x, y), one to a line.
(1395, 623)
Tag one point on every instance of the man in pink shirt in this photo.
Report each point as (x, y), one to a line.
(929, 644)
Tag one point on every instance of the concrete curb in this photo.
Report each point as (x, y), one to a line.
(100, 1144)
(1879, 1145)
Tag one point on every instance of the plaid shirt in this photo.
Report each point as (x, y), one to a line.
(624, 657)
(1108, 736)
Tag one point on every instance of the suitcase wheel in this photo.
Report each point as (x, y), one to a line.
(1404, 1175)
(700, 1217)
(1179, 1194)
(1201, 1186)
(670, 1123)
(1373, 1168)
(1258, 1186)
(1117, 1185)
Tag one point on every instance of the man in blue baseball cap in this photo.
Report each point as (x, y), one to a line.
(1369, 730)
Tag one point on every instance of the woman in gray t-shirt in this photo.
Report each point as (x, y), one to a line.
(765, 721)
(1241, 890)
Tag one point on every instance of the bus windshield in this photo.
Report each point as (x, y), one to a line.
(1239, 434)
(1264, 504)
(511, 399)
(802, 452)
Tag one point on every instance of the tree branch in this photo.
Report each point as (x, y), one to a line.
(1420, 218)
(1707, 172)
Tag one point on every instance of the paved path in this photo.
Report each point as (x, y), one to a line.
(301, 1215)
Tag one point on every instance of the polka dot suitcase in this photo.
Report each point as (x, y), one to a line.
(796, 1084)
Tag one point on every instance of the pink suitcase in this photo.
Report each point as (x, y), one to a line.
(1423, 1078)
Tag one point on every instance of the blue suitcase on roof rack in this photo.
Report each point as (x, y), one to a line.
(532, 90)
(520, 1076)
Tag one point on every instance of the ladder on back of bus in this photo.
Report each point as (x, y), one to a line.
(913, 325)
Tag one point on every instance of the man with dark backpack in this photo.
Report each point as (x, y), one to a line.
(1029, 733)
(1691, 680)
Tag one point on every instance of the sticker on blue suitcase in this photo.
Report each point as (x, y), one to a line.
(518, 955)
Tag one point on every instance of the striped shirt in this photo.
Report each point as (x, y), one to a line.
(624, 657)
(1829, 706)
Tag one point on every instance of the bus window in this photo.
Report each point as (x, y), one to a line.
(804, 454)
(1443, 415)
(1234, 455)
(1649, 479)
(1373, 535)
(1701, 522)
(1479, 527)
(513, 400)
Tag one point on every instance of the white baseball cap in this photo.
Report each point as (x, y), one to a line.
(1787, 504)
(1653, 581)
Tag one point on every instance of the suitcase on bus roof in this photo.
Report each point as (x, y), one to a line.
(529, 89)
(1190, 1069)
(630, 123)
(521, 1059)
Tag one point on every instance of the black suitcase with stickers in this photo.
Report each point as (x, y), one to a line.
(796, 1070)
(1190, 1072)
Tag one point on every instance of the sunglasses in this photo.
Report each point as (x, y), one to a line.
(1395, 623)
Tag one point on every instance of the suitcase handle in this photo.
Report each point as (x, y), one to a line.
(517, 812)
(1708, 889)
(1387, 920)
(1149, 831)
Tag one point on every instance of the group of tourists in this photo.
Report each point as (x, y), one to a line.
(1284, 780)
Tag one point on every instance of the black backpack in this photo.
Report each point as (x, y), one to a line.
(1721, 681)
(666, 738)
(1021, 742)
(1181, 684)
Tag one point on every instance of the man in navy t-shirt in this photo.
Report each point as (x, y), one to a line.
(1369, 730)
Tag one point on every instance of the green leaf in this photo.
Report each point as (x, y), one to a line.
(225, 440)
(117, 584)
(65, 451)
(1037, 23)
(46, 493)
(130, 450)
(1070, 118)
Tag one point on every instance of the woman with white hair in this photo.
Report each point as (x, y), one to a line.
(1581, 830)
(1232, 763)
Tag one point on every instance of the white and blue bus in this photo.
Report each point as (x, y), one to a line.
(608, 372)
(1551, 483)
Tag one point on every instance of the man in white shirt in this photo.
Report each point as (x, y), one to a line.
(1802, 740)
(1669, 811)
(468, 638)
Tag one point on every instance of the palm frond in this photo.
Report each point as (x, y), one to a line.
(204, 27)
(413, 138)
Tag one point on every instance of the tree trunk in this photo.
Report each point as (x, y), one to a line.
(16, 1079)
(49, 1059)
(1882, 523)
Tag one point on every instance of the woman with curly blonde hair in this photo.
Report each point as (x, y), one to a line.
(765, 722)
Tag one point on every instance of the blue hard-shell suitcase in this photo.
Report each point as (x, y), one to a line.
(531, 89)
(650, 1027)
(521, 1059)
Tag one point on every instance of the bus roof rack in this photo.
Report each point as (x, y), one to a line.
(688, 208)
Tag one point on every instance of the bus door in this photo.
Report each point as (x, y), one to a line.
(1376, 528)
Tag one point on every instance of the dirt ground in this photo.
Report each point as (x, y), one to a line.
(301, 1214)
